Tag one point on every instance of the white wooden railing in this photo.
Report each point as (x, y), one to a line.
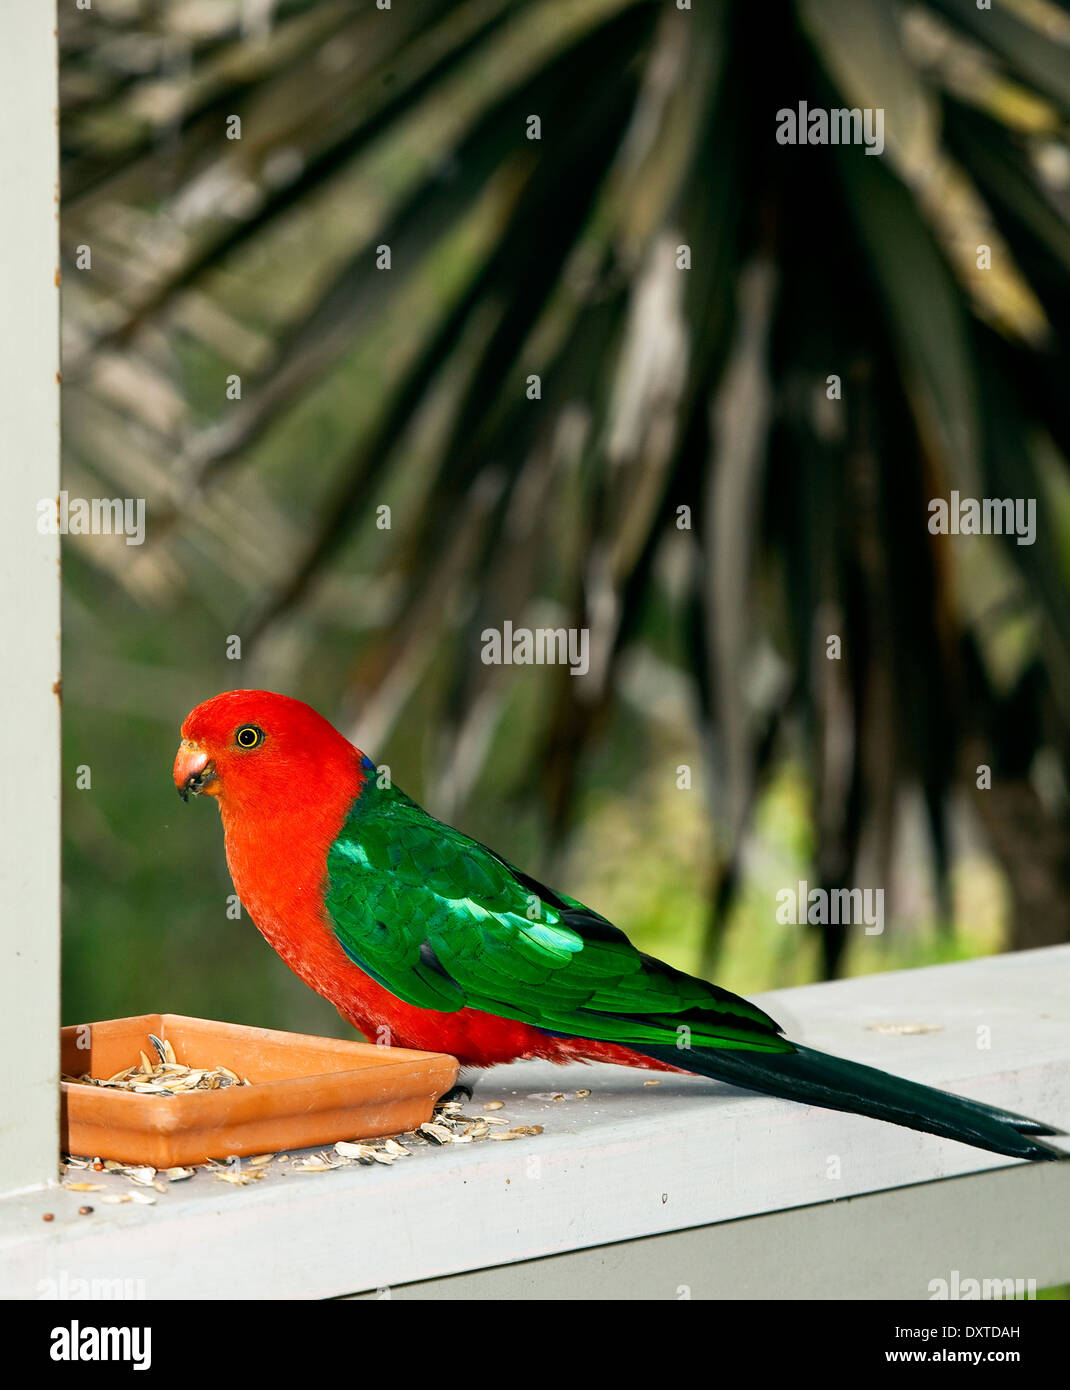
(686, 1188)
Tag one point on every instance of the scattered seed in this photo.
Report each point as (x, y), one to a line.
(651, 1083)
(48, 1216)
(494, 1105)
(582, 1095)
(904, 1030)
(178, 1174)
(143, 1199)
(114, 1199)
(84, 1186)
(519, 1132)
(316, 1163)
(142, 1176)
(261, 1159)
(85, 1211)
(438, 1134)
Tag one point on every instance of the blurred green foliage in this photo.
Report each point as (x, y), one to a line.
(661, 388)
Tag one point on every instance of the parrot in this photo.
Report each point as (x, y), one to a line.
(424, 937)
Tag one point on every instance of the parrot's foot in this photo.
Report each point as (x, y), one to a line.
(464, 1087)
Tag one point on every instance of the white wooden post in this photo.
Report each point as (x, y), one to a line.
(29, 596)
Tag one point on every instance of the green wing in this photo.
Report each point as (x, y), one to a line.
(443, 923)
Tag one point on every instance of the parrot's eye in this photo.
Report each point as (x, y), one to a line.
(249, 736)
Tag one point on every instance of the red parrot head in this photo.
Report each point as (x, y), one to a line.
(253, 749)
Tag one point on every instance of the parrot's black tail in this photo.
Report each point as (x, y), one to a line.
(816, 1078)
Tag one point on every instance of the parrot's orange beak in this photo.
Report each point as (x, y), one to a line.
(192, 770)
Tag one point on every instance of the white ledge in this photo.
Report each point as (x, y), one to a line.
(630, 1160)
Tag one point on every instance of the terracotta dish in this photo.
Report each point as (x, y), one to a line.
(305, 1091)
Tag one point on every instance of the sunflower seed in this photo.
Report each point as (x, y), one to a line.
(84, 1186)
(316, 1163)
(166, 1078)
(238, 1177)
(178, 1174)
(904, 1030)
(348, 1150)
(494, 1105)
